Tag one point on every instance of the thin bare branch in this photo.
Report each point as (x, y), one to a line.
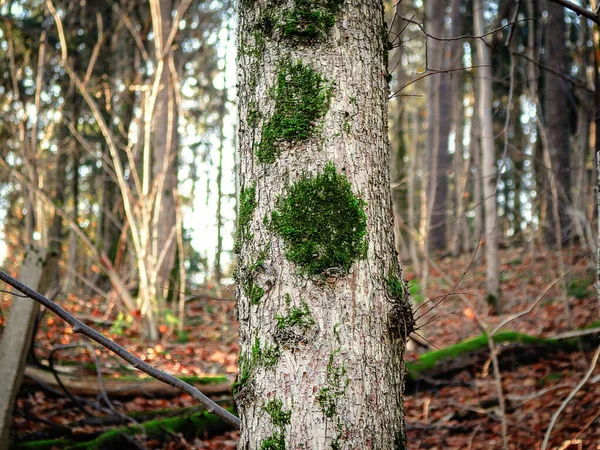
(96, 51)
(80, 327)
(61, 31)
(580, 11)
(572, 394)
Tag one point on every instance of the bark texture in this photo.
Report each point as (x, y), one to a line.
(164, 157)
(556, 120)
(321, 341)
(488, 160)
(439, 120)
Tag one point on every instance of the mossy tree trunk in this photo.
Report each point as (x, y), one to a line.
(323, 307)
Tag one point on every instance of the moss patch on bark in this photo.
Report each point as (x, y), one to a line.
(280, 418)
(247, 207)
(301, 99)
(300, 316)
(310, 20)
(322, 223)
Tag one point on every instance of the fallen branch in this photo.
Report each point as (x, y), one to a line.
(80, 327)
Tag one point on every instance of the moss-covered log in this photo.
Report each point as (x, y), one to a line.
(516, 348)
(190, 426)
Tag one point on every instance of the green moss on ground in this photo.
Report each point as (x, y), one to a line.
(322, 223)
(310, 20)
(190, 425)
(301, 99)
(428, 360)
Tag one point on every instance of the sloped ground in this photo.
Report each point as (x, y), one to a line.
(460, 413)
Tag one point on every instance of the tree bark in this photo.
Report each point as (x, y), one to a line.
(164, 164)
(556, 109)
(323, 312)
(488, 160)
(439, 120)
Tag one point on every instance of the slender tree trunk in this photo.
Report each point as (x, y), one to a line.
(556, 115)
(488, 160)
(323, 312)
(438, 127)
(164, 159)
(218, 270)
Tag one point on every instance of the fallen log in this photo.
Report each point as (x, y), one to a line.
(126, 387)
(513, 348)
(188, 425)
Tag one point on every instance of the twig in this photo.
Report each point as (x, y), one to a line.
(579, 10)
(61, 31)
(572, 394)
(80, 327)
(537, 300)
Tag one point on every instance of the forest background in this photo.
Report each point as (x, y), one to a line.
(118, 135)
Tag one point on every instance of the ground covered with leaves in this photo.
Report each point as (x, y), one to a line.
(461, 409)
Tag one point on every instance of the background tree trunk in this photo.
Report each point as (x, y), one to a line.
(556, 115)
(488, 160)
(439, 120)
(164, 158)
(321, 338)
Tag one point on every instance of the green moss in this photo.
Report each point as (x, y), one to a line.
(414, 288)
(274, 442)
(246, 211)
(579, 288)
(191, 425)
(428, 360)
(396, 287)
(244, 372)
(297, 316)
(322, 223)
(310, 20)
(253, 291)
(266, 356)
(336, 387)
(301, 100)
(280, 417)
(327, 401)
(401, 320)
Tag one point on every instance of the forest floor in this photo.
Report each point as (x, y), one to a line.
(460, 412)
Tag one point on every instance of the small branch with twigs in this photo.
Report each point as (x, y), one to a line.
(80, 327)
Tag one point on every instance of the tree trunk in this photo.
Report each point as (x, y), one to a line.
(323, 312)
(488, 160)
(557, 122)
(439, 119)
(164, 158)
